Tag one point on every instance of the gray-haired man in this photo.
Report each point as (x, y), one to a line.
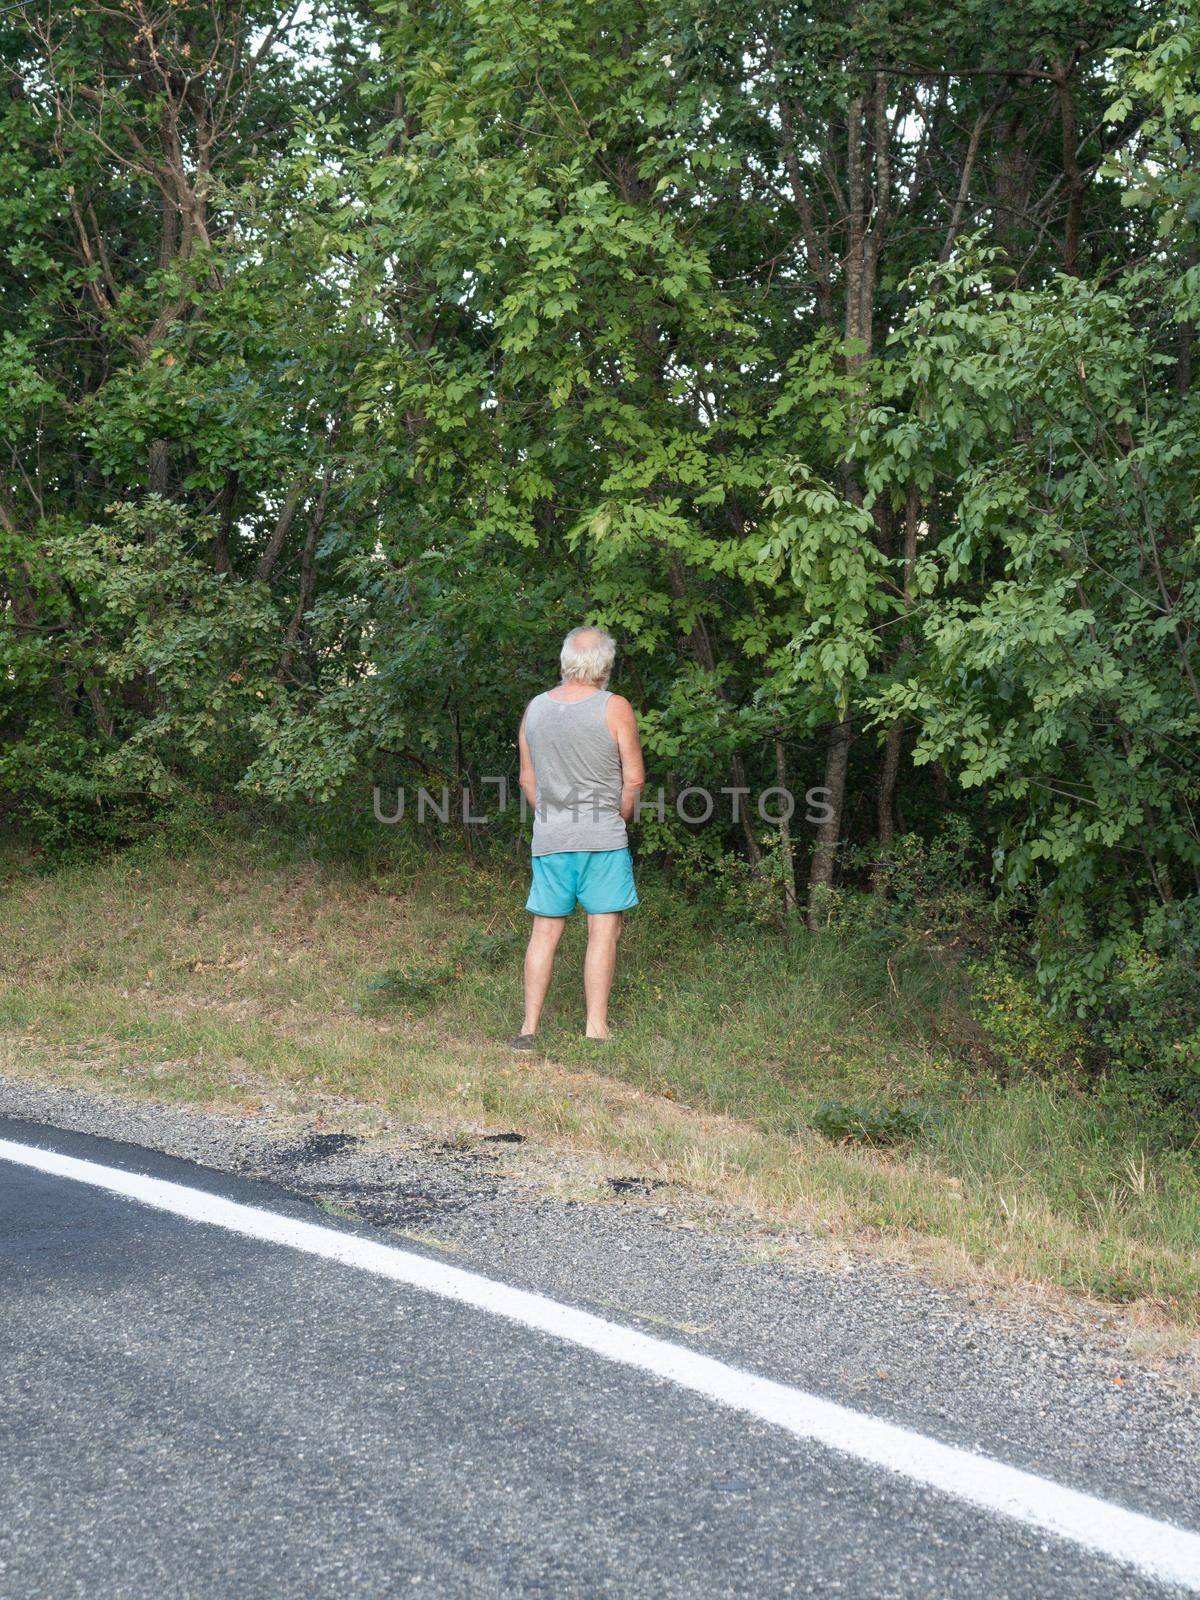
(582, 772)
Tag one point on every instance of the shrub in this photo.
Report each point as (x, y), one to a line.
(1150, 1017)
(1021, 1028)
(925, 887)
(714, 878)
(880, 1126)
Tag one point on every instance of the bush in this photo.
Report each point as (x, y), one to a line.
(738, 897)
(925, 887)
(141, 687)
(1150, 1018)
(1021, 1028)
(880, 1126)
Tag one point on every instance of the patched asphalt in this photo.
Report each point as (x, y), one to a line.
(186, 1412)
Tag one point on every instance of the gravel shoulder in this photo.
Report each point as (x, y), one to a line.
(1054, 1391)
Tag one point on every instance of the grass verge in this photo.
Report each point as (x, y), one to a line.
(231, 973)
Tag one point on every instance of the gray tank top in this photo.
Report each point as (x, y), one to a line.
(577, 766)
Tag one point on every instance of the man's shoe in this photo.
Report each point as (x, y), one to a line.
(523, 1041)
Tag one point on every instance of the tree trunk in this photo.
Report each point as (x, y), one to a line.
(159, 468)
(702, 649)
(1012, 184)
(221, 561)
(886, 825)
(283, 526)
(462, 784)
(1070, 166)
(820, 876)
(968, 170)
(307, 577)
(787, 854)
(865, 229)
(817, 256)
(856, 224)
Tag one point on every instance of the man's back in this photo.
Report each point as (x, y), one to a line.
(577, 766)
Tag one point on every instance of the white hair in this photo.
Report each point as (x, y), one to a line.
(587, 656)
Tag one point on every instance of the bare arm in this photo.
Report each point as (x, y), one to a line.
(622, 724)
(526, 778)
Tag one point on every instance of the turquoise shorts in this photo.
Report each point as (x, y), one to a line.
(599, 880)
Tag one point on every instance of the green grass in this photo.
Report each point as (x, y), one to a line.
(246, 974)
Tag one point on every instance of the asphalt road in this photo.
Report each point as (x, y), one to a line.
(184, 1412)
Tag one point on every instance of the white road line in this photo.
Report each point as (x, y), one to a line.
(1158, 1549)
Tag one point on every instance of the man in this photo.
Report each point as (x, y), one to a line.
(582, 772)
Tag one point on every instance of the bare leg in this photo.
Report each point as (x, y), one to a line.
(604, 930)
(539, 964)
